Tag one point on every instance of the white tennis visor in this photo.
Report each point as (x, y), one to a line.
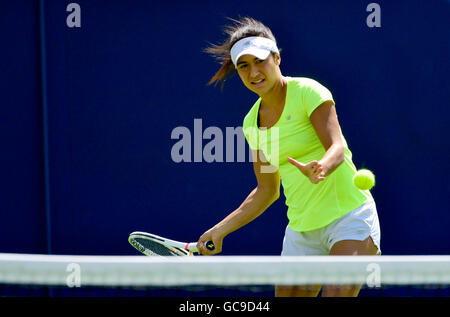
(259, 47)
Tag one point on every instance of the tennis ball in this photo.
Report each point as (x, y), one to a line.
(364, 179)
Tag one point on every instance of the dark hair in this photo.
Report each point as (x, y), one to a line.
(244, 27)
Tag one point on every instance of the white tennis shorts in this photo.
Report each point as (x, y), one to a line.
(357, 224)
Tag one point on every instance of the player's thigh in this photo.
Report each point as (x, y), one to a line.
(297, 290)
(349, 247)
(301, 244)
(341, 290)
(354, 247)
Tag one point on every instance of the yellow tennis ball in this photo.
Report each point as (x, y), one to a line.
(364, 179)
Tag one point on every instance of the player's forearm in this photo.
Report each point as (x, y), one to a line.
(334, 157)
(253, 206)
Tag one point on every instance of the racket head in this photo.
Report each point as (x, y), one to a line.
(153, 245)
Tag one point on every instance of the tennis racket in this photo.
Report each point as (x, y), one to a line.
(153, 245)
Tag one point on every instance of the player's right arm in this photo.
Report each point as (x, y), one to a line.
(266, 192)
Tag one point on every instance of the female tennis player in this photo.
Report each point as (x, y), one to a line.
(295, 137)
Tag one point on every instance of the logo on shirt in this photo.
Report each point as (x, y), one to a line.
(288, 117)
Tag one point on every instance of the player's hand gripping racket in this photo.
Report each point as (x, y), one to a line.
(153, 245)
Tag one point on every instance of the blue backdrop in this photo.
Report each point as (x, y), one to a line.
(87, 115)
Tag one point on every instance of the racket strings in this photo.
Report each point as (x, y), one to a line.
(157, 248)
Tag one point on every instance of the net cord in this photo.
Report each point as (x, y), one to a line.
(120, 271)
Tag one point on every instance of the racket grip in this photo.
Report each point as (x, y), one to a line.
(209, 245)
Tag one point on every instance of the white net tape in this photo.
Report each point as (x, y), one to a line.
(28, 269)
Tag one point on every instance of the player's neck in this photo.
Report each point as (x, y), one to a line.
(276, 96)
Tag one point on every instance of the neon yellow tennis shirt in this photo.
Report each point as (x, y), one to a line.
(310, 206)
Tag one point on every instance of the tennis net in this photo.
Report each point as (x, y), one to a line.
(61, 275)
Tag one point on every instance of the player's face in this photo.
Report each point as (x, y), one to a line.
(259, 75)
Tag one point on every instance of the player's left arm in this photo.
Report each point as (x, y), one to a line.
(325, 122)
